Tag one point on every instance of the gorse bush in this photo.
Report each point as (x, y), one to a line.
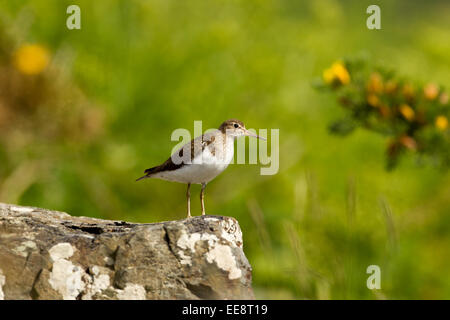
(413, 116)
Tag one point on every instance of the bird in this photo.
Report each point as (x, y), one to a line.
(202, 159)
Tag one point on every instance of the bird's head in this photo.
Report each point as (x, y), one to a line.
(236, 128)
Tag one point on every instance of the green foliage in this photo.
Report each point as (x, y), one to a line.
(414, 117)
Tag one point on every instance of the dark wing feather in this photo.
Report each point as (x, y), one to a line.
(205, 140)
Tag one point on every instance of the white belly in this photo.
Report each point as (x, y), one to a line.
(203, 169)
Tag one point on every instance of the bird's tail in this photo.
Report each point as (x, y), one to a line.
(148, 173)
(143, 177)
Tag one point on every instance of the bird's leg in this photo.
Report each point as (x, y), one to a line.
(188, 196)
(202, 198)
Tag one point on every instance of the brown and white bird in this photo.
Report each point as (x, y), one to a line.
(202, 159)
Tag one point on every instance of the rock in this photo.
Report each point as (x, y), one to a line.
(51, 255)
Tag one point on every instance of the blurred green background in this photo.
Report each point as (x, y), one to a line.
(75, 136)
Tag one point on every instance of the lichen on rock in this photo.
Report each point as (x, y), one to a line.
(51, 255)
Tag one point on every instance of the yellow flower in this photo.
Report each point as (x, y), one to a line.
(373, 100)
(431, 91)
(328, 76)
(390, 87)
(407, 112)
(31, 59)
(336, 72)
(375, 84)
(340, 72)
(441, 122)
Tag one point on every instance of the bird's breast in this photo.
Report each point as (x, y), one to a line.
(208, 164)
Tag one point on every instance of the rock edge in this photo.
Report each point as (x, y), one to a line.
(48, 254)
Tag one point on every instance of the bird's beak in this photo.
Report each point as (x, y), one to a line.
(251, 134)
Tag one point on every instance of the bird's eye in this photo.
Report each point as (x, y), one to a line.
(236, 125)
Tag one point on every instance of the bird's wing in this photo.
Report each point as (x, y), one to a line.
(195, 147)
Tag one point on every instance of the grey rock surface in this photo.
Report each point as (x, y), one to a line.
(51, 255)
